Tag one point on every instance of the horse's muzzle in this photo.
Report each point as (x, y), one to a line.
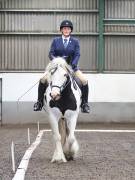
(54, 96)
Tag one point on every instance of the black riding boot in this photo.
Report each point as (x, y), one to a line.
(41, 90)
(84, 105)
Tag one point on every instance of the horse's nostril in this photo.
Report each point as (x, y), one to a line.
(52, 96)
(55, 97)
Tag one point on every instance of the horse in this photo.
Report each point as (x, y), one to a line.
(62, 102)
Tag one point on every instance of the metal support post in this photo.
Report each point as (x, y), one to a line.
(101, 45)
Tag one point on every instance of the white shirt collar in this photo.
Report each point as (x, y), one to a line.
(63, 37)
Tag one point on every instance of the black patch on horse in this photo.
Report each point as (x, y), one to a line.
(67, 100)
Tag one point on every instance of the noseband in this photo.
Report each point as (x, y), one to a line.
(62, 87)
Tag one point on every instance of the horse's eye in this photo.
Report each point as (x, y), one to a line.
(53, 70)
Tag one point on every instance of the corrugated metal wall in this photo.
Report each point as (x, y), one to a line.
(48, 4)
(47, 21)
(120, 35)
(27, 29)
(31, 52)
(120, 53)
(120, 9)
(28, 26)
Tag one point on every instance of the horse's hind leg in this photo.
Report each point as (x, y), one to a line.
(71, 146)
(58, 155)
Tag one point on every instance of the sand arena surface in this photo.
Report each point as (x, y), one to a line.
(102, 156)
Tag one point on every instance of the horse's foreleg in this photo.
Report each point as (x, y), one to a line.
(71, 146)
(58, 155)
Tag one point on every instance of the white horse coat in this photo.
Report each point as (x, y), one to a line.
(62, 101)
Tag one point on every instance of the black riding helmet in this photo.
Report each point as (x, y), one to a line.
(66, 23)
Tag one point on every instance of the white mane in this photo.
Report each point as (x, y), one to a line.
(56, 62)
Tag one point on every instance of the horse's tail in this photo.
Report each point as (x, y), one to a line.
(63, 129)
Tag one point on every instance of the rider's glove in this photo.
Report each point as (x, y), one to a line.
(74, 67)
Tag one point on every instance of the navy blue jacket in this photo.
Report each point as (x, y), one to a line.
(71, 52)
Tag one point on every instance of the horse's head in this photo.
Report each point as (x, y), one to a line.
(59, 76)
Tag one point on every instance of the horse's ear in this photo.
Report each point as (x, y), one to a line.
(53, 70)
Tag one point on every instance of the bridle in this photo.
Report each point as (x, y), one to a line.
(65, 84)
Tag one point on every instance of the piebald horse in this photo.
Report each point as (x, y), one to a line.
(62, 102)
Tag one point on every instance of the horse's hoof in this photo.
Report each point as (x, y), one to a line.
(58, 160)
(69, 157)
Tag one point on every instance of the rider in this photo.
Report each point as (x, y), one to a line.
(68, 47)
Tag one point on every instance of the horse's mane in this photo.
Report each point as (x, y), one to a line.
(56, 62)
